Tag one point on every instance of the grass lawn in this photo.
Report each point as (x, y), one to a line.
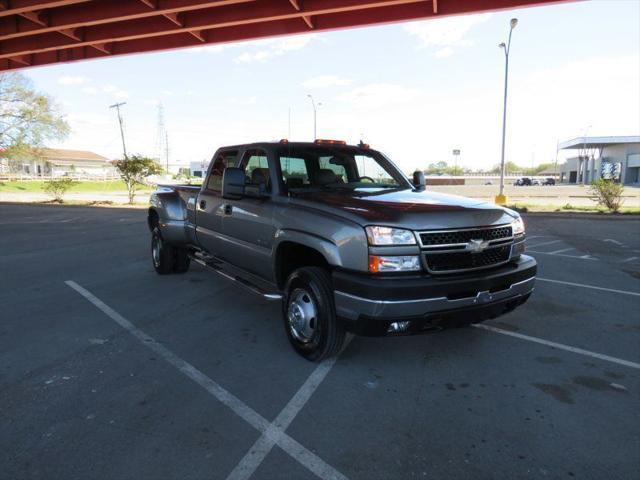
(525, 207)
(36, 186)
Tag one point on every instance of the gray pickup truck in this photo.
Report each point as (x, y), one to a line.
(344, 240)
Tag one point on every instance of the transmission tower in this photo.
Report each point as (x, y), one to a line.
(162, 140)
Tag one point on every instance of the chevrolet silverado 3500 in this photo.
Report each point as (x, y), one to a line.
(344, 240)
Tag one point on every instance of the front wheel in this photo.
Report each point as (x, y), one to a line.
(309, 314)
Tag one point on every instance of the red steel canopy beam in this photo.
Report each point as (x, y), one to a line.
(192, 22)
(136, 31)
(103, 11)
(15, 7)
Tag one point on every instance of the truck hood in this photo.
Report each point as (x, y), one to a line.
(405, 208)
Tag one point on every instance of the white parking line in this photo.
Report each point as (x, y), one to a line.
(270, 431)
(562, 250)
(630, 259)
(560, 346)
(261, 448)
(581, 257)
(593, 287)
(544, 243)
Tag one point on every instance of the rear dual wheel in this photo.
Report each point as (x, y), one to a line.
(167, 258)
(309, 314)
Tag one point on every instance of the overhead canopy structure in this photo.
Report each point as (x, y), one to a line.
(41, 32)
(582, 143)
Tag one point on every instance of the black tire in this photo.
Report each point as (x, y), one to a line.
(167, 259)
(162, 255)
(181, 260)
(324, 337)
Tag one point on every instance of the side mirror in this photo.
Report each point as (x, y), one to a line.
(418, 180)
(233, 183)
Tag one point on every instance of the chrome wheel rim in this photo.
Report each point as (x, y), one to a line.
(155, 250)
(302, 315)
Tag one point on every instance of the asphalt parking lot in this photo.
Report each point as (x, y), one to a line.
(108, 370)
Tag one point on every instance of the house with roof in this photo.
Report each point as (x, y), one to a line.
(54, 162)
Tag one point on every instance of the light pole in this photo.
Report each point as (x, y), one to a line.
(501, 198)
(313, 104)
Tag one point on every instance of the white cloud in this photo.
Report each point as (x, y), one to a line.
(244, 101)
(274, 47)
(90, 90)
(376, 95)
(444, 52)
(115, 91)
(323, 81)
(445, 33)
(72, 80)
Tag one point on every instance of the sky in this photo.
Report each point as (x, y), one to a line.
(414, 90)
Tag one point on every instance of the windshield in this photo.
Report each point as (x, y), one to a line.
(321, 166)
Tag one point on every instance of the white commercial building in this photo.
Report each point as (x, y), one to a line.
(198, 169)
(609, 157)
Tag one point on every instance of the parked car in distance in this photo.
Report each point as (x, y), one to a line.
(535, 181)
(523, 182)
(549, 181)
(344, 240)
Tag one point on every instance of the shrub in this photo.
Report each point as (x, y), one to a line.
(607, 193)
(134, 170)
(58, 187)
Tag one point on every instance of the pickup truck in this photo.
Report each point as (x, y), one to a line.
(344, 240)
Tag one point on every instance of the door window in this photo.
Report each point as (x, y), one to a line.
(222, 161)
(324, 163)
(295, 173)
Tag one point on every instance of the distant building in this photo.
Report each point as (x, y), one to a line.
(58, 163)
(199, 169)
(609, 157)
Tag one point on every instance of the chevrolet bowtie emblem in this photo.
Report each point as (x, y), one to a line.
(476, 245)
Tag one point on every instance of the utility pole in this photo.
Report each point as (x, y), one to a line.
(501, 199)
(117, 107)
(166, 143)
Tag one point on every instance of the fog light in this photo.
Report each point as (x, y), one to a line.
(397, 327)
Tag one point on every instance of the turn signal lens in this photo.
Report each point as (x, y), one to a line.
(403, 263)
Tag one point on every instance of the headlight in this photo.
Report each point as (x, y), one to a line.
(517, 226)
(390, 236)
(400, 263)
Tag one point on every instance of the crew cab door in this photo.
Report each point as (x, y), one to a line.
(209, 204)
(247, 224)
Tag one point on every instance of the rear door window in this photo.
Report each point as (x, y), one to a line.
(223, 160)
(256, 168)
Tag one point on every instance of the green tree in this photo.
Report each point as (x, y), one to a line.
(28, 119)
(607, 193)
(134, 170)
(58, 187)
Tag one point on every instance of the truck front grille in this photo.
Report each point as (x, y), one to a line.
(448, 251)
(456, 261)
(456, 237)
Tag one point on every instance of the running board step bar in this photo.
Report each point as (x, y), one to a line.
(243, 283)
